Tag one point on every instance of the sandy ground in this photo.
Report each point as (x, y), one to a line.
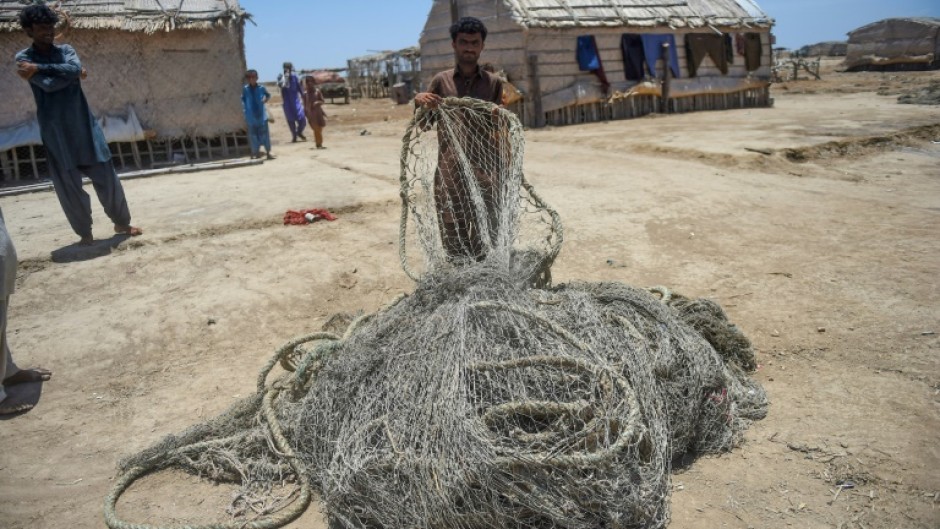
(829, 265)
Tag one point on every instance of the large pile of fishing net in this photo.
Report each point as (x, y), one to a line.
(486, 398)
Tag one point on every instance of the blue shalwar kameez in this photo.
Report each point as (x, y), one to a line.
(291, 94)
(256, 116)
(75, 144)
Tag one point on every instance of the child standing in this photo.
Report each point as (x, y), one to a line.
(254, 96)
(313, 105)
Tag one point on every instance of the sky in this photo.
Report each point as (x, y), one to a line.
(324, 33)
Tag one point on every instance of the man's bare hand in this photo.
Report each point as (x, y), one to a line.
(428, 99)
(26, 70)
(84, 74)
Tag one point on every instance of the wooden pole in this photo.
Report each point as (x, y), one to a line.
(667, 75)
(16, 164)
(454, 11)
(32, 159)
(5, 166)
(538, 120)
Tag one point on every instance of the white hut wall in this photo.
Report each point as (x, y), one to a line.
(181, 83)
(17, 104)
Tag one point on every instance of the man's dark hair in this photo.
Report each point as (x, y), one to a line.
(250, 72)
(468, 25)
(37, 14)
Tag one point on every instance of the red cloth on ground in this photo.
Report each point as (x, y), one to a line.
(297, 217)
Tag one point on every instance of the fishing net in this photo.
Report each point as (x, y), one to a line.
(487, 397)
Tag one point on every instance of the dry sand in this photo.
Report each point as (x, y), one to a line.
(829, 265)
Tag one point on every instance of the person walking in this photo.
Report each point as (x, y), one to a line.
(75, 145)
(313, 105)
(292, 100)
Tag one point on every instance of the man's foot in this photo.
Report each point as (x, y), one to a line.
(14, 403)
(87, 240)
(133, 231)
(23, 376)
(294, 140)
(271, 156)
(302, 137)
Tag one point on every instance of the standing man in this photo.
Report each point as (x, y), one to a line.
(254, 96)
(11, 400)
(75, 144)
(292, 95)
(460, 231)
(467, 79)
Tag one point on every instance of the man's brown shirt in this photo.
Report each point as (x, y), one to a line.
(482, 85)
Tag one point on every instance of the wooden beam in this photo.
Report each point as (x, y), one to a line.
(667, 75)
(538, 120)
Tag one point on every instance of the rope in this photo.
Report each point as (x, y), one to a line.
(627, 430)
(168, 458)
(305, 369)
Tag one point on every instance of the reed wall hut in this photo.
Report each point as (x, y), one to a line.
(895, 44)
(535, 43)
(164, 78)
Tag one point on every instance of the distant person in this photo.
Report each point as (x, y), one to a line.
(459, 226)
(75, 144)
(11, 400)
(254, 96)
(313, 104)
(292, 95)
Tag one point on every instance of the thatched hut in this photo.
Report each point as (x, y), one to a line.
(164, 77)
(535, 42)
(824, 49)
(895, 44)
(375, 76)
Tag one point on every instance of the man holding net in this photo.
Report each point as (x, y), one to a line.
(460, 227)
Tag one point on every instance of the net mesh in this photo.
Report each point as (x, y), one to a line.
(464, 197)
(487, 397)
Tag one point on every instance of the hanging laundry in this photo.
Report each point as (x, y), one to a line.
(653, 50)
(632, 47)
(589, 59)
(698, 45)
(739, 43)
(753, 51)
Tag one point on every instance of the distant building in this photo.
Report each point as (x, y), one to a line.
(824, 49)
(377, 75)
(535, 43)
(164, 77)
(895, 44)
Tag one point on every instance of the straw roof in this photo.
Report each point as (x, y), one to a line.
(896, 28)
(409, 52)
(607, 13)
(149, 16)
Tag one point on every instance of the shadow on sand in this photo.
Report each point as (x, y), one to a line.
(25, 393)
(77, 252)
